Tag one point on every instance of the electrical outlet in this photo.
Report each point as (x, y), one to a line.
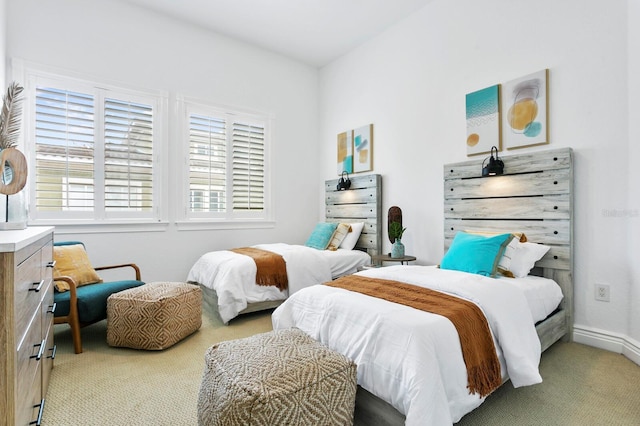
(602, 292)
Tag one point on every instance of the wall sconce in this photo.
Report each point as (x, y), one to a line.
(344, 184)
(495, 166)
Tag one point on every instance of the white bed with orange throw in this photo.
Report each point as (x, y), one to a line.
(413, 359)
(412, 363)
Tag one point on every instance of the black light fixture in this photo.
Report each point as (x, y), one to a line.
(344, 184)
(495, 166)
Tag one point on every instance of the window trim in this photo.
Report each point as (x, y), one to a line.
(228, 220)
(34, 75)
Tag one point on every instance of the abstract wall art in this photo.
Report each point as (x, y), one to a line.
(483, 120)
(363, 149)
(525, 106)
(345, 152)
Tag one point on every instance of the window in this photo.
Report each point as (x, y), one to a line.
(226, 164)
(96, 151)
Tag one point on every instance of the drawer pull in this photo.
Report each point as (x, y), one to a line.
(51, 264)
(52, 308)
(38, 421)
(53, 352)
(41, 346)
(39, 286)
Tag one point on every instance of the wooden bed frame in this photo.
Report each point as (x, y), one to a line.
(361, 203)
(534, 196)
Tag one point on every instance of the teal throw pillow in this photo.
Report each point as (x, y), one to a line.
(321, 235)
(476, 254)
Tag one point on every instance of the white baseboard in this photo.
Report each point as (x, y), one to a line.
(608, 341)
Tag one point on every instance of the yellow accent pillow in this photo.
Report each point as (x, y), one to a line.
(338, 235)
(73, 261)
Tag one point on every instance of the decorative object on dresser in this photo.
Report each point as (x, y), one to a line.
(13, 165)
(26, 314)
(80, 294)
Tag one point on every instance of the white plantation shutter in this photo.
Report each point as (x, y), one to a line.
(226, 164)
(64, 133)
(97, 151)
(128, 156)
(207, 164)
(248, 166)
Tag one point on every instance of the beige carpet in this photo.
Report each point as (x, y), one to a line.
(111, 386)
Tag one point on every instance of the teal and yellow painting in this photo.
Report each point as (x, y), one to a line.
(525, 103)
(483, 120)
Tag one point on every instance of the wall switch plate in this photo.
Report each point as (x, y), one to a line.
(602, 292)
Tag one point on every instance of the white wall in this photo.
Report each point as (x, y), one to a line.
(3, 40)
(633, 230)
(122, 43)
(411, 83)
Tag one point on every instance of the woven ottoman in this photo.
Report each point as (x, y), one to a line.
(153, 316)
(277, 378)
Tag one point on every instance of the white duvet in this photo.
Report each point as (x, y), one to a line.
(410, 358)
(233, 276)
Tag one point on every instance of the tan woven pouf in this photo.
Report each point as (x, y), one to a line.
(277, 378)
(153, 316)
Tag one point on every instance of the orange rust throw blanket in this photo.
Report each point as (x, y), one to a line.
(478, 350)
(271, 267)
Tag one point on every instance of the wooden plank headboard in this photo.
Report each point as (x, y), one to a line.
(534, 196)
(361, 203)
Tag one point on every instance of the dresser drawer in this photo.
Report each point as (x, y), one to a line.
(28, 351)
(28, 403)
(47, 359)
(28, 367)
(28, 292)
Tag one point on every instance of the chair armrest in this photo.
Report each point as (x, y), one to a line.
(124, 265)
(73, 287)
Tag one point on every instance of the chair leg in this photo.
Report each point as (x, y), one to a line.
(74, 323)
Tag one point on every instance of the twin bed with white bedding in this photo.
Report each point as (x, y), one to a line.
(228, 278)
(410, 362)
(413, 359)
(233, 276)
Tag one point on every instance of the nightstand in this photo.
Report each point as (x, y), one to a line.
(404, 260)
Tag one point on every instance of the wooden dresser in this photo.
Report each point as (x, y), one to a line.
(26, 323)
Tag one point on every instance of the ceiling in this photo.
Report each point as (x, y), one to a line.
(315, 32)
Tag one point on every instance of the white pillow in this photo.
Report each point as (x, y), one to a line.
(525, 257)
(504, 265)
(351, 239)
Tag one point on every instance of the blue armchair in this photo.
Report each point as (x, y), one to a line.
(86, 304)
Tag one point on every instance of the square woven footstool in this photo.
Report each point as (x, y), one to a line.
(153, 316)
(281, 377)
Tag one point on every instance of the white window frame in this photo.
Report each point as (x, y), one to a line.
(35, 76)
(229, 218)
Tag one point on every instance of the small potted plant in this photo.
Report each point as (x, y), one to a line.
(395, 233)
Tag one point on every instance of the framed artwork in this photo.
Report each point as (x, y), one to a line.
(363, 149)
(483, 120)
(525, 106)
(345, 152)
